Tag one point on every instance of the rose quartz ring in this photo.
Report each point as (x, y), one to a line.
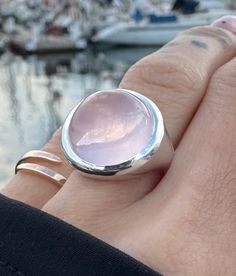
(116, 132)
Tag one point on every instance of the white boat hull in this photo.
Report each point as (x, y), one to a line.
(150, 34)
(141, 36)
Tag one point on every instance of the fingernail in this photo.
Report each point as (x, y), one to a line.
(227, 22)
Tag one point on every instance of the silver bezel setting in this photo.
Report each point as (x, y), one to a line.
(129, 166)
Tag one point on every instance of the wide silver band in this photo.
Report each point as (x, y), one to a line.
(157, 154)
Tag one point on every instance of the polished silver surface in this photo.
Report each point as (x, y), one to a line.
(157, 153)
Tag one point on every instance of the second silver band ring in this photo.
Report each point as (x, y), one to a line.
(116, 132)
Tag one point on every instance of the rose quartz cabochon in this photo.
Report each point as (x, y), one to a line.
(110, 128)
(227, 22)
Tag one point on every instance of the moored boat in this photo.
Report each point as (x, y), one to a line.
(153, 28)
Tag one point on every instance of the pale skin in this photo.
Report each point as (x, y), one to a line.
(184, 223)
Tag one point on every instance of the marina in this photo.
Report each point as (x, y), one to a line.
(39, 26)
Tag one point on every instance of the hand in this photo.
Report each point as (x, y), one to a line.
(184, 223)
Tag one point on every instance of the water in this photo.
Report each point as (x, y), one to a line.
(37, 92)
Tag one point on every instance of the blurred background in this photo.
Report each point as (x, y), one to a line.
(55, 52)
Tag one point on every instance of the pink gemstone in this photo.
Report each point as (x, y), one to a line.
(109, 128)
(227, 22)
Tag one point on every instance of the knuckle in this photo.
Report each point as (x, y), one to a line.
(223, 36)
(170, 71)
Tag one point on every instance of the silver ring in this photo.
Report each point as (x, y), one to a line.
(116, 132)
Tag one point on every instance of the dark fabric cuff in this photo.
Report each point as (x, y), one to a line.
(34, 243)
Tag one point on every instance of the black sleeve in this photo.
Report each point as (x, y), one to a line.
(34, 243)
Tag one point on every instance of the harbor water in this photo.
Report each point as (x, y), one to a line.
(37, 92)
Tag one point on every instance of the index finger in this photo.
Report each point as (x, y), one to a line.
(176, 76)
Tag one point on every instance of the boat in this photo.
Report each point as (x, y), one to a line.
(23, 42)
(154, 29)
(43, 27)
